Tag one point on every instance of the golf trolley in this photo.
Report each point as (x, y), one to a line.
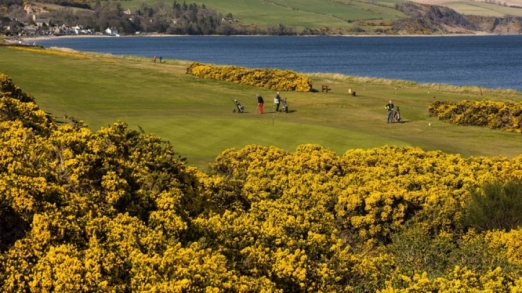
(397, 115)
(285, 106)
(240, 108)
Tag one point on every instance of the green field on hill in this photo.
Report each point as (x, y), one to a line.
(297, 13)
(484, 9)
(333, 13)
(196, 115)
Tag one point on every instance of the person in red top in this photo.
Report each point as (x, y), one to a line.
(260, 103)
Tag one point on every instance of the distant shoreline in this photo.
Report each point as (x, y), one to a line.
(34, 39)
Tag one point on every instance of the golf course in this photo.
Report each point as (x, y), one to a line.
(197, 115)
(120, 174)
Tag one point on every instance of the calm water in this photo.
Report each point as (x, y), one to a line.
(488, 61)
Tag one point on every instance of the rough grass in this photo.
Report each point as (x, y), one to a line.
(196, 115)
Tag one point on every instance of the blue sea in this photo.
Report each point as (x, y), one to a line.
(487, 61)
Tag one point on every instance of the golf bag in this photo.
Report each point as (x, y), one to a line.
(285, 106)
(240, 108)
(397, 115)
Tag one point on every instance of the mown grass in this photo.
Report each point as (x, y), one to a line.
(196, 115)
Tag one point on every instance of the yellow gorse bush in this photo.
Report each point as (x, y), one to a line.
(274, 79)
(495, 115)
(370, 195)
(118, 210)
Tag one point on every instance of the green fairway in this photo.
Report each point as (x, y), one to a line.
(196, 115)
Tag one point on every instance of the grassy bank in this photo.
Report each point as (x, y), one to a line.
(196, 115)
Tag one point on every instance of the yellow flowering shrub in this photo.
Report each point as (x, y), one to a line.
(60, 270)
(495, 115)
(118, 210)
(510, 241)
(370, 195)
(459, 280)
(17, 105)
(274, 79)
(10, 90)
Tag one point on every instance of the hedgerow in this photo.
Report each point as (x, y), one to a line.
(495, 115)
(274, 79)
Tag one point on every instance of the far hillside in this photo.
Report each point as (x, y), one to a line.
(300, 13)
(340, 14)
(261, 17)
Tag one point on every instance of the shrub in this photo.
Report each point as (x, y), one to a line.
(495, 115)
(274, 79)
(495, 206)
(417, 251)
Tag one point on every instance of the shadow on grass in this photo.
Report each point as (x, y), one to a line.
(246, 112)
(289, 111)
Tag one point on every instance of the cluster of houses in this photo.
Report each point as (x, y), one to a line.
(41, 27)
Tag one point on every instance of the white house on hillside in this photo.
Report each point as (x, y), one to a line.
(111, 31)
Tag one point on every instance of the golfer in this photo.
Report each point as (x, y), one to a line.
(389, 108)
(277, 101)
(260, 103)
